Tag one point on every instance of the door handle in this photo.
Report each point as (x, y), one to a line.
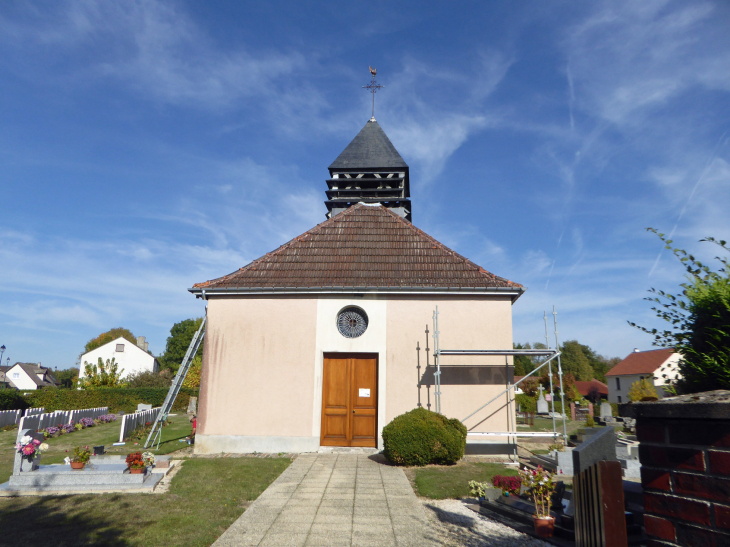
(353, 412)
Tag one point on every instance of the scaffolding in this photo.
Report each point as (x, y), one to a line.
(548, 353)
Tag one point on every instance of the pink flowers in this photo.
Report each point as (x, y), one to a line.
(28, 450)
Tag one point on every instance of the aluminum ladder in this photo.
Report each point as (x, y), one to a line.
(156, 433)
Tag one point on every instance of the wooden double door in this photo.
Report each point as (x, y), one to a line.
(350, 400)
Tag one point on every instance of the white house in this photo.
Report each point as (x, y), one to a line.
(27, 376)
(131, 358)
(656, 365)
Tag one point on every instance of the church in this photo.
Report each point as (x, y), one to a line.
(315, 343)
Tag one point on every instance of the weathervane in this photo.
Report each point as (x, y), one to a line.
(373, 87)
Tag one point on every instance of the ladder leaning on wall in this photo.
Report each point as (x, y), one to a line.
(156, 433)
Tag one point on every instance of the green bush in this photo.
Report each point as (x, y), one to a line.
(11, 399)
(527, 403)
(420, 437)
(118, 399)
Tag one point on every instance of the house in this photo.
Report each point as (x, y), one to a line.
(5, 382)
(131, 358)
(656, 365)
(585, 387)
(314, 344)
(27, 376)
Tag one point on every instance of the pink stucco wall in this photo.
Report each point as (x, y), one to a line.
(257, 367)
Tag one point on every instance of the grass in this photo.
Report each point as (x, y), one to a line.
(102, 434)
(441, 481)
(206, 497)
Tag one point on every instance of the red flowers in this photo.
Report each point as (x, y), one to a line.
(135, 461)
(507, 484)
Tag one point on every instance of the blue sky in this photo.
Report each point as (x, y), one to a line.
(149, 145)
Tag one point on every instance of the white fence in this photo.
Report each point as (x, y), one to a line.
(10, 417)
(131, 421)
(36, 422)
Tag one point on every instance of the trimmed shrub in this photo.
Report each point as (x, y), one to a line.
(11, 399)
(420, 437)
(118, 399)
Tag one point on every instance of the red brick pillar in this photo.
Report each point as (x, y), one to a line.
(572, 411)
(685, 457)
(590, 409)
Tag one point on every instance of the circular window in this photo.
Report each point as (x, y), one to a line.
(352, 322)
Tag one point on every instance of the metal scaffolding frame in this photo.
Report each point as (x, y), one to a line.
(549, 353)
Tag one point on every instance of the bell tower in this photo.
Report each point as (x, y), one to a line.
(370, 170)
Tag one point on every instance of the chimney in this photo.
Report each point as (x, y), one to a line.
(146, 346)
(140, 342)
(636, 350)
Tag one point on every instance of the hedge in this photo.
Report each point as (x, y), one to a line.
(10, 399)
(116, 398)
(421, 437)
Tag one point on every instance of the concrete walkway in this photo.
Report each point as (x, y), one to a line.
(333, 500)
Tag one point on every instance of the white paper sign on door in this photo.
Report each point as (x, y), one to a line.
(363, 392)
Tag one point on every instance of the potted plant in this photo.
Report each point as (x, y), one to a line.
(29, 449)
(80, 458)
(540, 484)
(136, 463)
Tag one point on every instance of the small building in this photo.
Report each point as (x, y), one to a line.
(314, 344)
(657, 365)
(5, 382)
(28, 376)
(131, 358)
(585, 388)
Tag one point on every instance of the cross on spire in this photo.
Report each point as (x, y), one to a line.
(373, 87)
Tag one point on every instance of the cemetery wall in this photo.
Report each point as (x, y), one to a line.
(685, 457)
(130, 422)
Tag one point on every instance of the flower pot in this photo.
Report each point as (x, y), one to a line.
(136, 471)
(77, 465)
(544, 526)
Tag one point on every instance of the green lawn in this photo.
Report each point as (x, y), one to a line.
(102, 434)
(206, 497)
(452, 481)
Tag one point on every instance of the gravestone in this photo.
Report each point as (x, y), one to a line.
(606, 411)
(542, 406)
(193, 406)
(142, 406)
(21, 464)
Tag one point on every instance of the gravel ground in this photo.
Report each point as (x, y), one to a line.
(455, 525)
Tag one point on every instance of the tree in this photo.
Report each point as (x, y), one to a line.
(529, 386)
(192, 380)
(594, 395)
(523, 364)
(101, 375)
(181, 334)
(641, 390)
(699, 319)
(108, 336)
(573, 360)
(67, 377)
(162, 379)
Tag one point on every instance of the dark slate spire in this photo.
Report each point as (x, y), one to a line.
(371, 148)
(370, 170)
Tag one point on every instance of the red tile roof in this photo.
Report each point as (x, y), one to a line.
(584, 388)
(641, 362)
(362, 247)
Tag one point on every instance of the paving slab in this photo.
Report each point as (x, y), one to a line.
(335, 499)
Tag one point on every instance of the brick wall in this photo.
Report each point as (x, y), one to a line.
(685, 458)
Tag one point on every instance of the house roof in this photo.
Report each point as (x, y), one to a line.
(584, 388)
(370, 149)
(364, 247)
(641, 362)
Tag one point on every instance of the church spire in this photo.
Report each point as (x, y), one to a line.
(370, 170)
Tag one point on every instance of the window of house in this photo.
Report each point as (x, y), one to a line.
(619, 398)
(120, 347)
(618, 384)
(16, 374)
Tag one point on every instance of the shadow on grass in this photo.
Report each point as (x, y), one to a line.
(58, 521)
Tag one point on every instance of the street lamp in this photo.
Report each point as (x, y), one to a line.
(2, 350)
